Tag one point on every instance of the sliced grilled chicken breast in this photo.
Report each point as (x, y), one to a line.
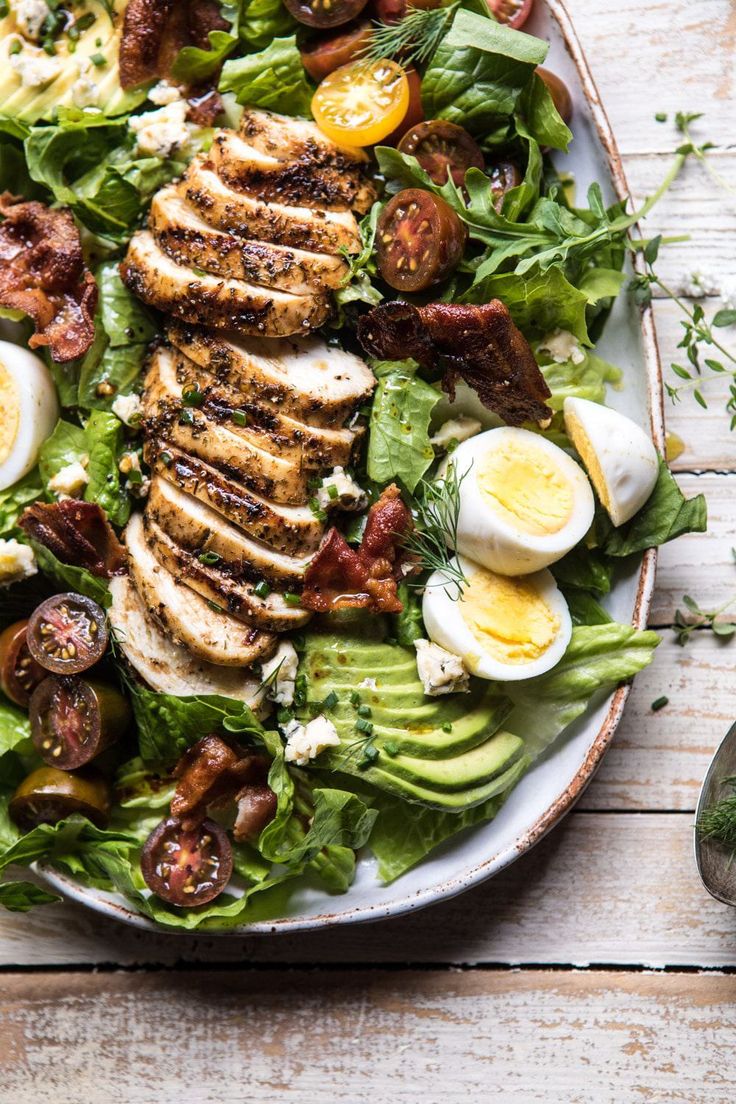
(307, 379)
(238, 457)
(297, 227)
(185, 616)
(168, 667)
(287, 138)
(201, 531)
(290, 529)
(312, 446)
(190, 240)
(176, 290)
(300, 181)
(272, 614)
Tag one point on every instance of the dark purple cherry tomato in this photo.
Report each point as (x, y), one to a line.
(393, 11)
(187, 867)
(73, 720)
(419, 240)
(19, 672)
(414, 112)
(67, 633)
(323, 56)
(325, 13)
(49, 795)
(439, 146)
(559, 92)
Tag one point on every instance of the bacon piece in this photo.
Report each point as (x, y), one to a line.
(341, 577)
(480, 344)
(214, 773)
(154, 31)
(77, 533)
(43, 274)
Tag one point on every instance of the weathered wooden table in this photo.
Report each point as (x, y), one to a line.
(594, 970)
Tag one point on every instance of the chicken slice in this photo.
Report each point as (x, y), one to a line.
(297, 227)
(177, 290)
(300, 180)
(185, 616)
(306, 379)
(168, 667)
(272, 613)
(165, 416)
(312, 446)
(291, 529)
(286, 138)
(189, 240)
(201, 531)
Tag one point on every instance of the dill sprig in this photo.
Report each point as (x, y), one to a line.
(718, 821)
(414, 38)
(435, 507)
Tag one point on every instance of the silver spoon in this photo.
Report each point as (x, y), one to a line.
(716, 864)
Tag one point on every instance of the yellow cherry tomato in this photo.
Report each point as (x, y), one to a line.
(362, 102)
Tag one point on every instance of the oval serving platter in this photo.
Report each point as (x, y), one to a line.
(550, 789)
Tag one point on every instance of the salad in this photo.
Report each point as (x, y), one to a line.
(310, 498)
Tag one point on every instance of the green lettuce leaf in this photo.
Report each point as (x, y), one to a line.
(538, 117)
(15, 727)
(168, 725)
(274, 78)
(71, 577)
(538, 302)
(586, 380)
(398, 444)
(408, 625)
(104, 436)
(66, 445)
(22, 896)
(194, 66)
(261, 21)
(666, 515)
(14, 499)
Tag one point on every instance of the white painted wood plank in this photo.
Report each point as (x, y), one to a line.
(596, 1038)
(618, 889)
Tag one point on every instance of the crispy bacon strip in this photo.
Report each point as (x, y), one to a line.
(42, 272)
(155, 30)
(213, 773)
(480, 344)
(77, 533)
(341, 577)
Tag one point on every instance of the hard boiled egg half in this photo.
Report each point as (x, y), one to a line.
(620, 458)
(524, 503)
(28, 411)
(503, 628)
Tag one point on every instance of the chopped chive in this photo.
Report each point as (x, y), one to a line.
(84, 22)
(363, 725)
(239, 417)
(73, 32)
(98, 59)
(301, 690)
(135, 476)
(659, 703)
(192, 397)
(314, 483)
(283, 716)
(292, 599)
(214, 606)
(370, 754)
(49, 47)
(72, 48)
(166, 458)
(447, 727)
(391, 748)
(317, 510)
(365, 711)
(4, 8)
(98, 42)
(332, 491)
(209, 558)
(330, 701)
(186, 417)
(661, 116)
(15, 46)
(355, 698)
(262, 589)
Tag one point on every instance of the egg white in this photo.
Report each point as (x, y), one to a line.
(446, 626)
(34, 400)
(620, 458)
(490, 538)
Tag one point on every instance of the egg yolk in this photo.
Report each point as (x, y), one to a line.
(508, 617)
(9, 412)
(586, 452)
(525, 488)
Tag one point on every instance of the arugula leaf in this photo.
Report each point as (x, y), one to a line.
(261, 21)
(273, 78)
(340, 819)
(399, 445)
(477, 75)
(14, 499)
(71, 577)
(538, 117)
(168, 725)
(666, 515)
(584, 569)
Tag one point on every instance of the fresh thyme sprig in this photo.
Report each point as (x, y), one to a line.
(436, 510)
(414, 38)
(718, 821)
(691, 147)
(702, 619)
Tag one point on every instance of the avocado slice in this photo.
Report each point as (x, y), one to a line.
(460, 772)
(451, 802)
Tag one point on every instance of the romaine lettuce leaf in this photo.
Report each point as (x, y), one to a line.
(15, 727)
(274, 79)
(194, 65)
(14, 499)
(71, 577)
(98, 446)
(398, 445)
(586, 380)
(538, 302)
(666, 515)
(261, 21)
(168, 725)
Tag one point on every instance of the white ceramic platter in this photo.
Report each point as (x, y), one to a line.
(557, 780)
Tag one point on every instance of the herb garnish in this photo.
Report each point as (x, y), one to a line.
(718, 821)
(436, 509)
(414, 39)
(703, 619)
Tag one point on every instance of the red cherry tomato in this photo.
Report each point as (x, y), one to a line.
(73, 720)
(393, 11)
(323, 56)
(420, 240)
(414, 112)
(67, 633)
(513, 12)
(439, 146)
(325, 13)
(559, 92)
(19, 672)
(187, 867)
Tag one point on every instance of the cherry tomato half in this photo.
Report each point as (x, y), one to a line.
(73, 720)
(19, 672)
(513, 12)
(67, 633)
(49, 795)
(323, 56)
(359, 104)
(187, 868)
(419, 239)
(559, 92)
(504, 176)
(325, 13)
(414, 112)
(439, 146)
(393, 11)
